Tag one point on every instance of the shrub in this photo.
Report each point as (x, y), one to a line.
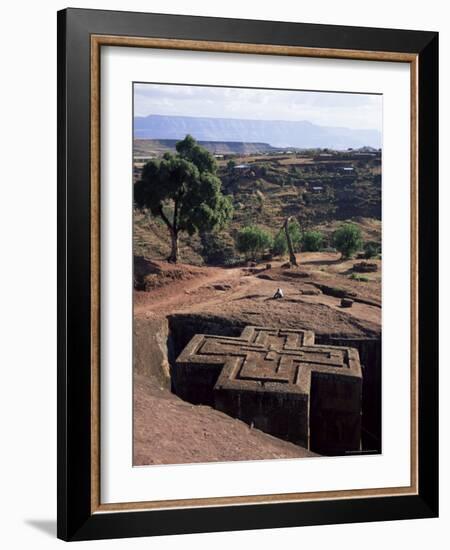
(312, 241)
(280, 247)
(356, 277)
(372, 249)
(296, 234)
(217, 249)
(347, 239)
(253, 241)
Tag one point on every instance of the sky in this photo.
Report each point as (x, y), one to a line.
(359, 111)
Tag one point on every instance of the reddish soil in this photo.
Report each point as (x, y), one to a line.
(248, 295)
(180, 291)
(168, 430)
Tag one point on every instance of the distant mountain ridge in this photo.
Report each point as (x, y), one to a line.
(145, 146)
(277, 133)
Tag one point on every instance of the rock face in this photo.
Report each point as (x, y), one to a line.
(365, 267)
(279, 381)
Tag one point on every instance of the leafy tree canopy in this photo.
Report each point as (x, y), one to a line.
(184, 191)
(347, 239)
(280, 246)
(253, 240)
(190, 150)
(312, 241)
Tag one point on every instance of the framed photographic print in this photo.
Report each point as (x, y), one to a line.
(247, 274)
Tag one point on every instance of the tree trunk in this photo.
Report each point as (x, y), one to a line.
(174, 254)
(173, 230)
(292, 258)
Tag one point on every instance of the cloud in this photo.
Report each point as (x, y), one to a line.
(324, 108)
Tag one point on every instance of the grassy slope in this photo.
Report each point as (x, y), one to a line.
(278, 186)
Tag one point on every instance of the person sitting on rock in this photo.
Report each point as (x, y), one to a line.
(278, 294)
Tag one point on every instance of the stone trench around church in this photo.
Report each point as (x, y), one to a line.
(283, 417)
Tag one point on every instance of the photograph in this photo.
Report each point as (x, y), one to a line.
(257, 273)
(247, 260)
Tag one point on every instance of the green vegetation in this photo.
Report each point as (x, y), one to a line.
(312, 241)
(347, 239)
(280, 245)
(372, 249)
(323, 189)
(183, 189)
(218, 249)
(361, 278)
(252, 241)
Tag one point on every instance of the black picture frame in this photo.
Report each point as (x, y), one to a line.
(76, 520)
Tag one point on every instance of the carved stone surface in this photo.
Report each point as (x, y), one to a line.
(280, 382)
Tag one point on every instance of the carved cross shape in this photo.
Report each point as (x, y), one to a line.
(279, 381)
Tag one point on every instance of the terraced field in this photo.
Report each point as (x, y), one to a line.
(321, 190)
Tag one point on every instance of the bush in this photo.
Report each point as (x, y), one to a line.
(280, 247)
(372, 249)
(217, 249)
(347, 240)
(253, 241)
(361, 278)
(312, 241)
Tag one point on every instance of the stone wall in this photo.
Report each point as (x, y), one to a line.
(370, 356)
(280, 382)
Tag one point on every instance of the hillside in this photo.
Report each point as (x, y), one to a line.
(205, 435)
(156, 147)
(321, 190)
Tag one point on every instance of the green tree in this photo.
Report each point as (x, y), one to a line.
(280, 244)
(190, 150)
(347, 239)
(279, 247)
(253, 241)
(312, 241)
(218, 248)
(184, 191)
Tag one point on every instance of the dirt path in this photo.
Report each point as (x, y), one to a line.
(184, 293)
(210, 287)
